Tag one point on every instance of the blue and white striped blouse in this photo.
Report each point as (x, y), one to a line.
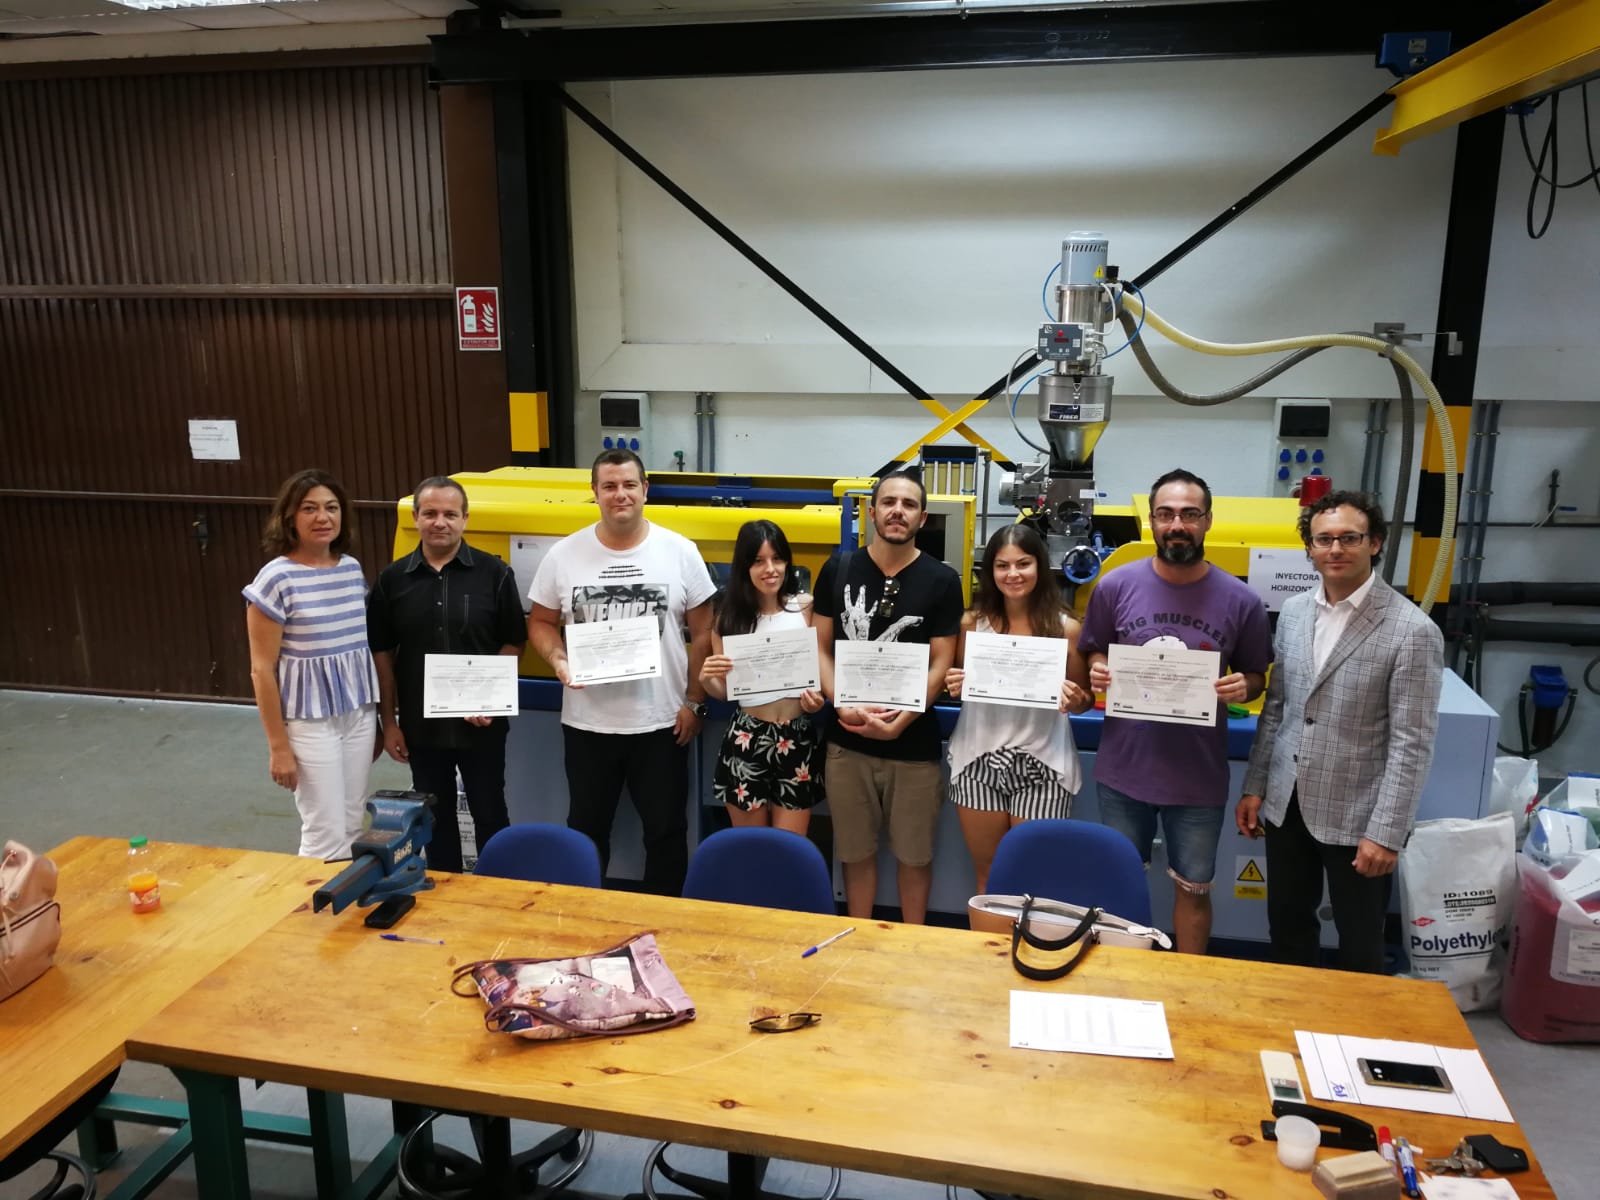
(324, 666)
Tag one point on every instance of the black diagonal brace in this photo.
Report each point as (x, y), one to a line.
(811, 304)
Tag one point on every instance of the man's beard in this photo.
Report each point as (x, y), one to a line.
(1180, 553)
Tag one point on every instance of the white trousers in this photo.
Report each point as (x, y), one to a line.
(334, 757)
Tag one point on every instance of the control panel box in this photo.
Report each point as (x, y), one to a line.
(1301, 429)
(625, 422)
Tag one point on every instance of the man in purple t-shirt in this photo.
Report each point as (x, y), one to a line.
(1147, 771)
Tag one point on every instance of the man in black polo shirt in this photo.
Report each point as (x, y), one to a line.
(444, 598)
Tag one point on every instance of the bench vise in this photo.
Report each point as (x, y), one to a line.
(386, 860)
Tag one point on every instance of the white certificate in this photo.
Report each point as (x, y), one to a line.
(881, 674)
(469, 685)
(782, 661)
(1025, 671)
(1172, 684)
(613, 651)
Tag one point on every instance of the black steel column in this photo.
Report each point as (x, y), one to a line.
(550, 219)
(1463, 285)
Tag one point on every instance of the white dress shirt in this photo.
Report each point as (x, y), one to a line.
(1333, 619)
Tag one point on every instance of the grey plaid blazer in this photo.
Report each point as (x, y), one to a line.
(1357, 739)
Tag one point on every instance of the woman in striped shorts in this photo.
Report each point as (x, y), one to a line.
(1010, 764)
(315, 683)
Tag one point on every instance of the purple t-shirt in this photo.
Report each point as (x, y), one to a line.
(1150, 760)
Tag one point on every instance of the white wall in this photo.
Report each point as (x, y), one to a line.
(925, 208)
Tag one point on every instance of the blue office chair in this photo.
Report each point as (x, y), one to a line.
(41, 1147)
(425, 1171)
(1078, 862)
(765, 868)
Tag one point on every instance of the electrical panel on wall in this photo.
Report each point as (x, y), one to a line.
(625, 423)
(1300, 444)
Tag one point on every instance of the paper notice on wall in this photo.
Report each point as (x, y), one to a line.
(217, 441)
(527, 552)
(1275, 575)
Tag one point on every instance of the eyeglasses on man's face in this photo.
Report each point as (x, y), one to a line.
(1171, 516)
(1325, 541)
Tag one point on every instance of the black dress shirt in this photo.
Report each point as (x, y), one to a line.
(469, 607)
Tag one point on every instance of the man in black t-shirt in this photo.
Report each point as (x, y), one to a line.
(883, 763)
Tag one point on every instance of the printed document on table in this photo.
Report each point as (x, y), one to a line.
(1089, 1025)
(1332, 1073)
(1022, 671)
(881, 674)
(1171, 684)
(614, 651)
(784, 660)
(469, 685)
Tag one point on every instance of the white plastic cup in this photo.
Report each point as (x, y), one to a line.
(1298, 1140)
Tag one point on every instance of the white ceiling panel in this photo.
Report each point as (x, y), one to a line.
(430, 8)
(328, 12)
(244, 16)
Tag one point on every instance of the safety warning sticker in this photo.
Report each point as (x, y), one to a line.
(1250, 877)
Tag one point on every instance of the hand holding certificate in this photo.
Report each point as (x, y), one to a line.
(784, 661)
(1171, 684)
(613, 651)
(469, 685)
(881, 675)
(1022, 671)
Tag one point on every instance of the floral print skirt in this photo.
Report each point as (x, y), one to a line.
(767, 762)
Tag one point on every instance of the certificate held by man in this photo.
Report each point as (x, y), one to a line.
(1161, 682)
(881, 674)
(614, 651)
(469, 685)
(782, 662)
(1022, 671)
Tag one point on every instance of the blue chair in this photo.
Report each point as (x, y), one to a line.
(765, 868)
(541, 854)
(534, 853)
(1078, 862)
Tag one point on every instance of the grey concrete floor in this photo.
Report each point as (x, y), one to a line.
(112, 767)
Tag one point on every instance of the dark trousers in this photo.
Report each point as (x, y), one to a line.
(483, 774)
(1296, 864)
(656, 770)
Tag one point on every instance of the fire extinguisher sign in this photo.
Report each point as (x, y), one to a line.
(478, 318)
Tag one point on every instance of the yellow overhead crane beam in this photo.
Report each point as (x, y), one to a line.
(1556, 44)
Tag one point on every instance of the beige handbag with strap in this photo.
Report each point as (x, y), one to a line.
(30, 918)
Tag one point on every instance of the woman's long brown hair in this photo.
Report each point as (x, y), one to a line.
(1044, 603)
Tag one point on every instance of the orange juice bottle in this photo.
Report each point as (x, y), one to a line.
(144, 885)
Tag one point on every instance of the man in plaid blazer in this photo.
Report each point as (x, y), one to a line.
(1345, 739)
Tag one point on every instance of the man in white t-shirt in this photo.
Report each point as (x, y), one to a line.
(634, 732)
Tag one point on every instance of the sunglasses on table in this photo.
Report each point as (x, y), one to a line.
(785, 1022)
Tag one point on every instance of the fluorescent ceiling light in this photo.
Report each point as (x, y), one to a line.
(147, 5)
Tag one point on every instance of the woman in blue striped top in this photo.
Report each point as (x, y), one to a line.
(315, 684)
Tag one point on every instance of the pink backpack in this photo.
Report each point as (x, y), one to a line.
(30, 918)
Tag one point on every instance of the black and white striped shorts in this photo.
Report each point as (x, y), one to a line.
(1012, 781)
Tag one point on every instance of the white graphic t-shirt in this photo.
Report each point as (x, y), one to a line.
(663, 575)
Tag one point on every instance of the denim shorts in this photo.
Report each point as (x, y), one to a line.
(1190, 831)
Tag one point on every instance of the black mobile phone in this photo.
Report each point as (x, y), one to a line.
(1503, 1158)
(1384, 1073)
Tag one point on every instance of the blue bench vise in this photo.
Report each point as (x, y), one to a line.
(386, 866)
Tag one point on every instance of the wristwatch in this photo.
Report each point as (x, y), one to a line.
(698, 708)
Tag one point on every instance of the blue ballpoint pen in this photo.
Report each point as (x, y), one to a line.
(400, 937)
(1408, 1167)
(826, 942)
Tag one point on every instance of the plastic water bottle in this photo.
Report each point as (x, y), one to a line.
(144, 885)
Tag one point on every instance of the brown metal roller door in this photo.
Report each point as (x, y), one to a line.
(264, 247)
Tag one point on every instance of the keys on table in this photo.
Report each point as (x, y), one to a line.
(1462, 1162)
